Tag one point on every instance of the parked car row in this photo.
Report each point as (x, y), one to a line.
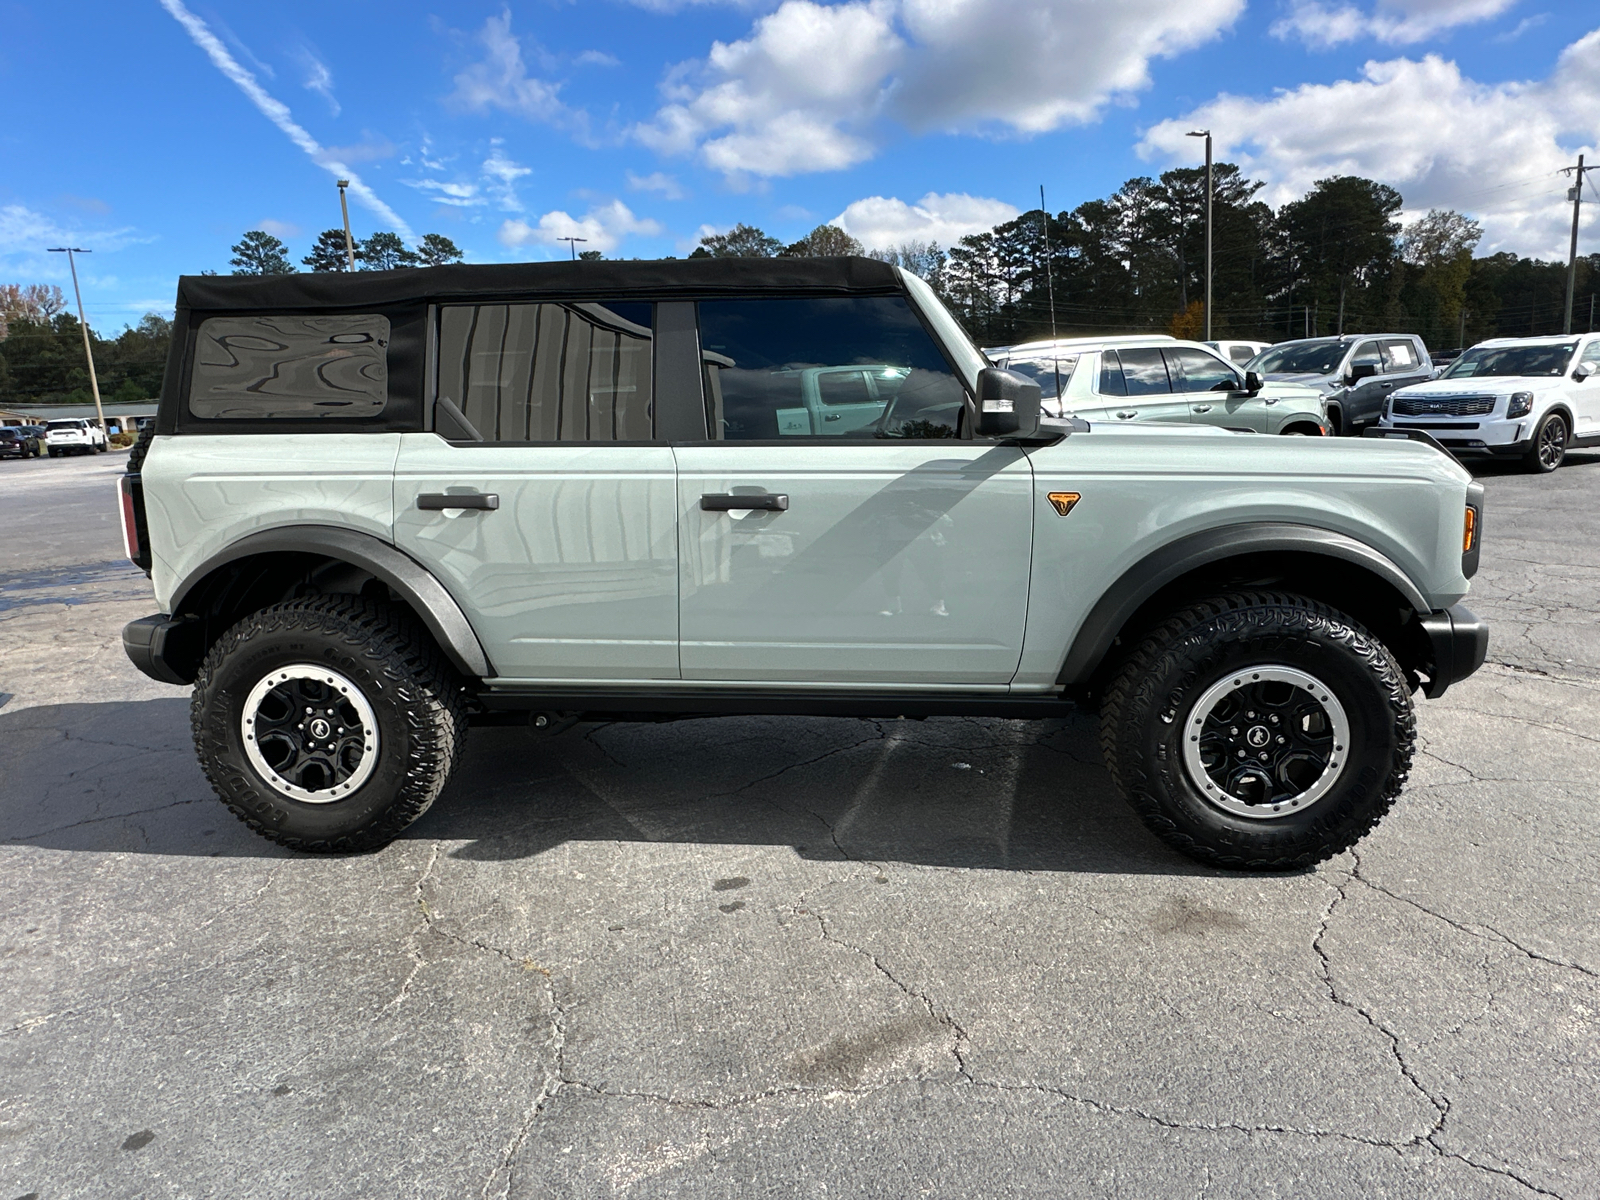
(1521, 398)
(69, 435)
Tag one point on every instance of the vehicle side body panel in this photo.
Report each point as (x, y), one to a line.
(205, 492)
(1146, 489)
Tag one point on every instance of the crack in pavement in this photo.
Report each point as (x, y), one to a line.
(945, 1018)
(138, 812)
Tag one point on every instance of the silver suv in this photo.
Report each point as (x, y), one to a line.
(382, 507)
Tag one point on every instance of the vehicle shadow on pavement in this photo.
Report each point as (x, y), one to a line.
(1010, 795)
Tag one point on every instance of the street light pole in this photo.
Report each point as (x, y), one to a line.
(1206, 133)
(572, 242)
(88, 351)
(349, 244)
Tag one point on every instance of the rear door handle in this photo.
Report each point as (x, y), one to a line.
(1128, 416)
(768, 501)
(1202, 408)
(437, 501)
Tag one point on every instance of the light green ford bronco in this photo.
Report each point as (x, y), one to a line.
(379, 508)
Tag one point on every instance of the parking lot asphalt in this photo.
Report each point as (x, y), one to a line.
(790, 957)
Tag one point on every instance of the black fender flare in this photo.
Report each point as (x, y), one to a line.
(1176, 559)
(436, 607)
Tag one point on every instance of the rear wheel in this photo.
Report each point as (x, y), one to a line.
(327, 724)
(1549, 447)
(1262, 731)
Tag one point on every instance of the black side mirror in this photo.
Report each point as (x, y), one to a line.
(1253, 382)
(1360, 371)
(1580, 374)
(1008, 404)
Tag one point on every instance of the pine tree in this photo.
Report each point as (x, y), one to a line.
(384, 252)
(435, 250)
(328, 252)
(259, 253)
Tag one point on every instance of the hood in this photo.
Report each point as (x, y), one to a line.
(1488, 385)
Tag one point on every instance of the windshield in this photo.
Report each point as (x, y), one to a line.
(1045, 372)
(968, 358)
(1316, 358)
(1512, 360)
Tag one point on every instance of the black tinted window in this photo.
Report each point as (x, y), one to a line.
(290, 367)
(767, 370)
(1144, 372)
(1197, 371)
(549, 372)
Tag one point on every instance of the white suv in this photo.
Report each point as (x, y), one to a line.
(1527, 398)
(1153, 377)
(74, 435)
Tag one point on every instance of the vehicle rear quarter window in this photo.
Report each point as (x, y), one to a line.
(1046, 372)
(290, 367)
(1241, 354)
(554, 372)
(1111, 381)
(771, 370)
(1196, 371)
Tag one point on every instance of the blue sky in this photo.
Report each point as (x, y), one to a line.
(157, 131)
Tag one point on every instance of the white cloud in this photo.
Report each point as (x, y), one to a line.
(278, 113)
(500, 178)
(603, 228)
(597, 58)
(787, 99)
(812, 86)
(659, 182)
(278, 229)
(1442, 139)
(1398, 22)
(496, 183)
(318, 79)
(502, 81)
(879, 222)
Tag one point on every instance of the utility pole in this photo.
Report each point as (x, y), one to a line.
(349, 245)
(573, 243)
(88, 351)
(1206, 133)
(1575, 194)
(1050, 288)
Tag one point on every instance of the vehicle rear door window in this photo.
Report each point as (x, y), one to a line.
(552, 372)
(1196, 371)
(290, 367)
(1145, 372)
(771, 370)
(1399, 356)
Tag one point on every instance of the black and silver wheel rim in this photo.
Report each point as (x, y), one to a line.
(1552, 443)
(1266, 742)
(310, 733)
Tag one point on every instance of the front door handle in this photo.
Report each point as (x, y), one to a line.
(437, 501)
(1386, 386)
(767, 501)
(831, 416)
(1128, 416)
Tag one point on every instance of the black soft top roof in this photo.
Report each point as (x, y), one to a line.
(663, 278)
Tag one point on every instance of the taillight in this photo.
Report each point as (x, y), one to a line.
(134, 541)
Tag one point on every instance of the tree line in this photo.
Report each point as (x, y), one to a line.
(1336, 260)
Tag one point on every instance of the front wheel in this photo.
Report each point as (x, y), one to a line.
(1261, 731)
(327, 724)
(1549, 447)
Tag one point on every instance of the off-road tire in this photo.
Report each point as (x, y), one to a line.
(1146, 709)
(414, 695)
(1549, 448)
